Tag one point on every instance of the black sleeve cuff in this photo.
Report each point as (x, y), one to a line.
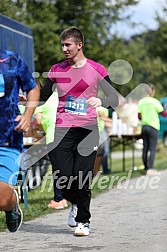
(47, 90)
(111, 99)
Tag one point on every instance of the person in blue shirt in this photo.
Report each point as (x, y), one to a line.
(14, 76)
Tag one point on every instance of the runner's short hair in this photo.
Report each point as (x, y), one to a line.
(72, 32)
(150, 89)
(152, 86)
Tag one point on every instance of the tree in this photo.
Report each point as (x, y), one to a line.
(156, 46)
(49, 17)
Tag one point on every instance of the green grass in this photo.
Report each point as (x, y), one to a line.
(38, 200)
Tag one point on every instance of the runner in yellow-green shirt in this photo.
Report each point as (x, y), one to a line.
(149, 109)
(46, 116)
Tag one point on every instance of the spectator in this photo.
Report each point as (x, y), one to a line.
(104, 148)
(45, 115)
(149, 109)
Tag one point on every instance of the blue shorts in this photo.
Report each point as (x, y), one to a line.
(9, 165)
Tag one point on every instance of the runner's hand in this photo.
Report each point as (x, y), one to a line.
(22, 98)
(94, 102)
(23, 125)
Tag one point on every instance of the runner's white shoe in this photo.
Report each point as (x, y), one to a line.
(82, 229)
(72, 215)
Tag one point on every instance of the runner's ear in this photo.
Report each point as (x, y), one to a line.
(80, 45)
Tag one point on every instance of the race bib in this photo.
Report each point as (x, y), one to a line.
(76, 105)
(2, 86)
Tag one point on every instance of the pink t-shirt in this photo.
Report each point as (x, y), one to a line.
(75, 86)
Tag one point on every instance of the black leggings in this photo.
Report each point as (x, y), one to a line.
(150, 137)
(73, 158)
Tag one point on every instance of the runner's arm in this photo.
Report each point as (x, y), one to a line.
(163, 113)
(111, 99)
(46, 91)
(24, 119)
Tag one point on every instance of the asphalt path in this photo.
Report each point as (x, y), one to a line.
(131, 217)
